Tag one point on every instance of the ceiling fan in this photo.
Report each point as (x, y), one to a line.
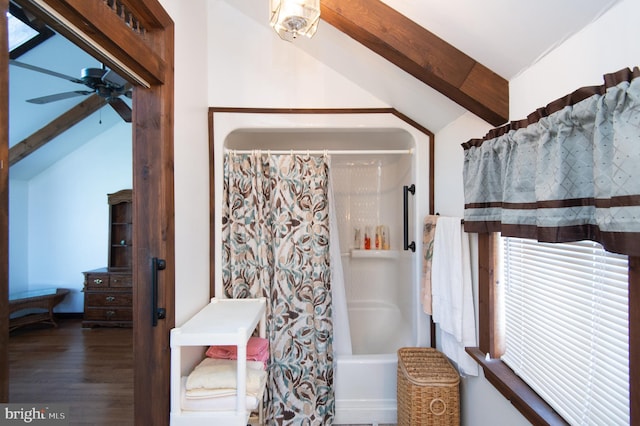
(102, 81)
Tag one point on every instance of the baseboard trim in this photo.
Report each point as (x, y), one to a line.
(69, 315)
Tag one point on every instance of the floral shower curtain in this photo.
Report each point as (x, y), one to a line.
(275, 233)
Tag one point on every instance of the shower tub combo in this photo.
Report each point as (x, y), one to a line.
(373, 156)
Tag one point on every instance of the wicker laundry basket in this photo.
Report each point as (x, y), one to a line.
(428, 388)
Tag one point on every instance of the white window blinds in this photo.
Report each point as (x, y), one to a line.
(567, 329)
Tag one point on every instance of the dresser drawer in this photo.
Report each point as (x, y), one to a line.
(120, 280)
(96, 281)
(108, 314)
(108, 299)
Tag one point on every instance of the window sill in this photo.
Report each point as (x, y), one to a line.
(530, 405)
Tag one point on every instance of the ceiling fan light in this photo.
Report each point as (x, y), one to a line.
(291, 18)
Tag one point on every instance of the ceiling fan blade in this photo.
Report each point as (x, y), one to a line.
(121, 108)
(58, 97)
(45, 71)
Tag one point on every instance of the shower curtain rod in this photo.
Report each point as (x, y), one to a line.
(323, 151)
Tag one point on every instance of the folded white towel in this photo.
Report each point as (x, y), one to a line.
(452, 293)
(214, 373)
(205, 393)
(215, 403)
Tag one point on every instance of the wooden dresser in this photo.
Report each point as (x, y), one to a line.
(108, 291)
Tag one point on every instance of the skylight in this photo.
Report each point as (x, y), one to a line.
(24, 33)
(19, 32)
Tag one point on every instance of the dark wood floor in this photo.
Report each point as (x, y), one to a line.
(89, 370)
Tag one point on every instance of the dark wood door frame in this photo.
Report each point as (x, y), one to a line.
(4, 206)
(135, 38)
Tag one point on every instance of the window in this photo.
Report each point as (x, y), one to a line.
(490, 348)
(25, 32)
(566, 326)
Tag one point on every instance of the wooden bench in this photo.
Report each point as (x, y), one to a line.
(45, 299)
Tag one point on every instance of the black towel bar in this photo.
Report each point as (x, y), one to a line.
(461, 220)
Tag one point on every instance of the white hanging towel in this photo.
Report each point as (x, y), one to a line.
(452, 293)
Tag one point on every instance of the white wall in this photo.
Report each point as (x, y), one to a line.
(60, 216)
(18, 236)
(191, 156)
(250, 66)
(605, 46)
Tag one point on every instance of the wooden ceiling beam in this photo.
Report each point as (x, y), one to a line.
(113, 30)
(423, 55)
(55, 128)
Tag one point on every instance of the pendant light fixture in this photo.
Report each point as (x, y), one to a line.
(291, 18)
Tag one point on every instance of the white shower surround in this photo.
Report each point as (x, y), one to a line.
(365, 382)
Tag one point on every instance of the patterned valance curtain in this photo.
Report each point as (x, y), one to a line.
(569, 172)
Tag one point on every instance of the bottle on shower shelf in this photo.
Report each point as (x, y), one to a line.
(367, 238)
(386, 240)
(357, 238)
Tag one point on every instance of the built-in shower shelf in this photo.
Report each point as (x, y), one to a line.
(375, 254)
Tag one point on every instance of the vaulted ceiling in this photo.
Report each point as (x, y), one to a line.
(457, 54)
(34, 128)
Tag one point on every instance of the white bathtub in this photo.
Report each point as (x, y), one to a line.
(365, 389)
(365, 382)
